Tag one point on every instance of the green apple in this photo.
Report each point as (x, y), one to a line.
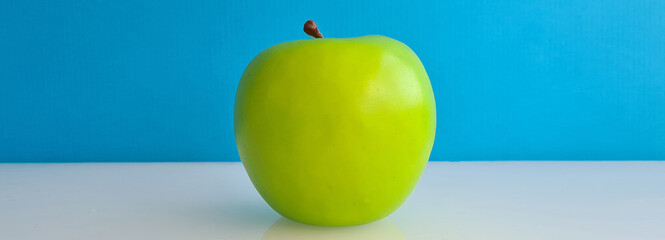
(332, 131)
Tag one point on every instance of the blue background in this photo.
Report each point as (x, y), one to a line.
(155, 80)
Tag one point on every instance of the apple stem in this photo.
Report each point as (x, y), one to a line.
(312, 30)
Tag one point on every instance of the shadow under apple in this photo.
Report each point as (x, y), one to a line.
(287, 229)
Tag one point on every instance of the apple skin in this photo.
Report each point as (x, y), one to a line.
(335, 132)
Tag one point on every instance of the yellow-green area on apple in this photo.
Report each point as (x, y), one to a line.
(335, 132)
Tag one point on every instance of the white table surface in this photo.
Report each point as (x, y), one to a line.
(453, 200)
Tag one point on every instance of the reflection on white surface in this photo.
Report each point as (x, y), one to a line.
(216, 201)
(285, 229)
